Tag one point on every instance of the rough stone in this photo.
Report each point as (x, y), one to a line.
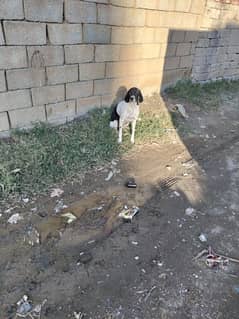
(62, 74)
(79, 53)
(90, 71)
(86, 104)
(65, 33)
(27, 117)
(4, 122)
(2, 81)
(11, 9)
(48, 94)
(51, 55)
(13, 57)
(14, 100)
(24, 33)
(44, 10)
(61, 112)
(80, 11)
(79, 89)
(25, 78)
(94, 33)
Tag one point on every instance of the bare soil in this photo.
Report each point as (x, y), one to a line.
(107, 268)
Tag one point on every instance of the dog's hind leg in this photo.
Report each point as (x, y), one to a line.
(133, 125)
(120, 131)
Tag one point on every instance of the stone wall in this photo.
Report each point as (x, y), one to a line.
(60, 58)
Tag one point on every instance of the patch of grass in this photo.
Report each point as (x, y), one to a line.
(206, 96)
(33, 160)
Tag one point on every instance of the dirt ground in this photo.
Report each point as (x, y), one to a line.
(109, 269)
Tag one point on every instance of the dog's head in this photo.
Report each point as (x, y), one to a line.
(134, 95)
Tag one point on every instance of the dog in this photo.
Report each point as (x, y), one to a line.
(127, 112)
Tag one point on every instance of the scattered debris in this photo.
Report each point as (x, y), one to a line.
(128, 214)
(56, 192)
(15, 218)
(213, 259)
(149, 293)
(131, 183)
(70, 217)
(181, 110)
(189, 211)
(110, 175)
(25, 200)
(202, 237)
(25, 308)
(176, 194)
(32, 237)
(134, 243)
(78, 315)
(59, 206)
(136, 257)
(85, 258)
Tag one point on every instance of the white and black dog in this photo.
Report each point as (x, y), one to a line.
(127, 112)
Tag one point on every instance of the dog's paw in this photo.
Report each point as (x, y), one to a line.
(119, 141)
(132, 141)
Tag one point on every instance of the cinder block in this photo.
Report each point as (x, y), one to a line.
(169, 50)
(107, 53)
(171, 63)
(91, 71)
(1, 36)
(131, 52)
(26, 118)
(147, 4)
(123, 3)
(80, 11)
(44, 10)
(234, 37)
(14, 100)
(186, 61)
(48, 94)
(65, 33)
(198, 6)
(95, 33)
(144, 35)
(161, 35)
(189, 21)
(99, 1)
(24, 33)
(183, 49)
(120, 16)
(51, 55)
(150, 51)
(25, 78)
(122, 35)
(176, 36)
(4, 123)
(107, 100)
(79, 89)
(79, 53)
(183, 5)
(153, 18)
(61, 112)
(84, 105)
(62, 74)
(168, 5)
(13, 57)
(191, 36)
(11, 9)
(172, 20)
(2, 82)
(106, 86)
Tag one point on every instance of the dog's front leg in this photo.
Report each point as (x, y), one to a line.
(133, 124)
(120, 131)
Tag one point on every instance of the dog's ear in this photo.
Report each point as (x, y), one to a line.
(140, 98)
(127, 97)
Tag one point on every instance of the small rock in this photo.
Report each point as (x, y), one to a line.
(202, 237)
(15, 218)
(110, 175)
(56, 192)
(189, 211)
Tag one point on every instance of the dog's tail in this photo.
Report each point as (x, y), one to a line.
(114, 119)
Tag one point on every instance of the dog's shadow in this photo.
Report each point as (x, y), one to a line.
(120, 95)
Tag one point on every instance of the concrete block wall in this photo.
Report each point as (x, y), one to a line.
(61, 58)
